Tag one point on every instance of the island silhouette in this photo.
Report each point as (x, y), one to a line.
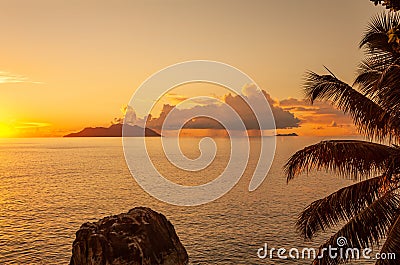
(287, 134)
(115, 130)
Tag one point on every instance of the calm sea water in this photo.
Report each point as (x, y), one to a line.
(49, 187)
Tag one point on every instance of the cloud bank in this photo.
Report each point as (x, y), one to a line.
(291, 114)
(321, 118)
(283, 118)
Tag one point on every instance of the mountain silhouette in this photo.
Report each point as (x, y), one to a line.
(115, 130)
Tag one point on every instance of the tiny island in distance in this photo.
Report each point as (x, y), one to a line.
(287, 134)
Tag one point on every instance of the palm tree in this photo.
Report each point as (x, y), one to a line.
(370, 208)
(389, 4)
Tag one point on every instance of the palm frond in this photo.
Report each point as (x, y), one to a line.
(389, 89)
(341, 205)
(392, 244)
(393, 5)
(382, 86)
(376, 39)
(365, 229)
(351, 158)
(370, 72)
(370, 118)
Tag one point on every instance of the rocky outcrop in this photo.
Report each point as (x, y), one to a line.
(139, 237)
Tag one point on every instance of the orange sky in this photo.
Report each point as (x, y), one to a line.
(72, 64)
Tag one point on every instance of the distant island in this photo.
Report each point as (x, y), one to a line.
(287, 134)
(115, 130)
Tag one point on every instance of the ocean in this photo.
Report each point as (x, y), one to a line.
(50, 186)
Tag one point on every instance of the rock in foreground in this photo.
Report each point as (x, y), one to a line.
(139, 237)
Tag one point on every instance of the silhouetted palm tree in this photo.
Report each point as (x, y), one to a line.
(389, 4)
(370, 207)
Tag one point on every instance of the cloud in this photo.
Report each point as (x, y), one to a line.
(318, 107)
(321, 116)
(256, 98)
(25, 129)
(31, 125)
(315, 111)
(291, 115)
(174, 98)
(291, 102)
(297, 109)
(211, 107)
(8, 78)
(283, 118)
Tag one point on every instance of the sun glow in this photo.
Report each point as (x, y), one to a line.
(6, 130)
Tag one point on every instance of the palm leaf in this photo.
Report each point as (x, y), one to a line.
(392, 244)
(382, 87)
(365, 229)
(375, 39)
(368, 76)
(370, 118)
(370, 72)
(352, 158)
(341, 205)
(393, 5)
(389, 89)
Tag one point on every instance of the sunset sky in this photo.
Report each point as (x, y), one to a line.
(66, 65)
